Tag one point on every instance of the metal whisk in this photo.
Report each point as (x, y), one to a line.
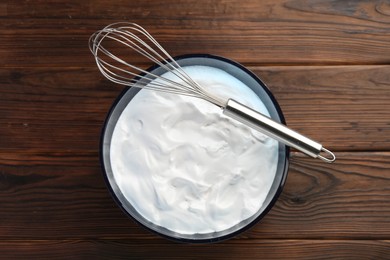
(137, 39)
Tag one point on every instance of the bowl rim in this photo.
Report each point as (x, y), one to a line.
(196, 240)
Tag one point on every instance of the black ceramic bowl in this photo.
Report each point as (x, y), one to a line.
(248, 78)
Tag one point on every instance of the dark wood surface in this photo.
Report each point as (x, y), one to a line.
(327, 62)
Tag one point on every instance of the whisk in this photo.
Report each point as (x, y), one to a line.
(136, 39)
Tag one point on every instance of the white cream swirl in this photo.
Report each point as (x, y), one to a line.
(185, 166)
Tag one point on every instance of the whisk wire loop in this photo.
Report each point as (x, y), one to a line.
(118, 70)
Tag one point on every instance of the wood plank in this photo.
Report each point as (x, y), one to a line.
(187, 13)
(359, 11)
(346, 108)
(63, 200)
(280, 32)
(262, 45)
(249, 249)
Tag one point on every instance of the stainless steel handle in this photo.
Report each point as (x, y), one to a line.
(276, 130)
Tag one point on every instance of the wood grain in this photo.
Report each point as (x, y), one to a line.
(327, 63)
(252, 249)
(257, 32)
(63, 200)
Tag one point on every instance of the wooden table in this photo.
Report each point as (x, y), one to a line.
(327, 62)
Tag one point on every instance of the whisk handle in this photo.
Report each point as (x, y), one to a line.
(276, 130)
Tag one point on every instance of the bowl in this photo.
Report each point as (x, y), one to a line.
(259, 88)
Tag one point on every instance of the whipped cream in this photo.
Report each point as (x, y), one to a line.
(185, 166)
